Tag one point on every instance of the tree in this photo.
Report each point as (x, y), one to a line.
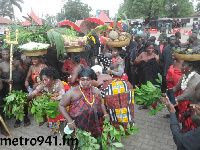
(142, 8)
(177, 8)
(148, 9)
(74, 10)
(7, 9)
(198, 7)
(50, 19)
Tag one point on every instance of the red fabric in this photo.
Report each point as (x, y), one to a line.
(102, 40)
(187, 123)
(59, 117)
(68, 66)
(69, 23)
(154, 105)
(87, 118)
(95, 20)
(118, 24)
(176, 30)
(153, 31)
(187, 32)
(161, 48)
(124, 77)
(114, 60)
(173, 77)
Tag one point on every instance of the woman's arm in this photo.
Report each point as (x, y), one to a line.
(120, 69)
(61, 90)
(74, 74)
(38, 89)
(139, 59)
(65, 101)
(177, 88)
(28, 77)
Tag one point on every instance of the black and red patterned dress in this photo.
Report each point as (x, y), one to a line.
(87, 117)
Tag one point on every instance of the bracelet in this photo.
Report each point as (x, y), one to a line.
(105, 115)
(71, 122)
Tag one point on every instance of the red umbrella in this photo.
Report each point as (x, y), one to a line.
(118, 24)
(69, 23)
(95, 20)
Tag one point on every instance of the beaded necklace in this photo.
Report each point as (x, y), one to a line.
(86, 98)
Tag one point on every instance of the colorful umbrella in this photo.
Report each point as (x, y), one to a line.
(69, 23)
(118, 24)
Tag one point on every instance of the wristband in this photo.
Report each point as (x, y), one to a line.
(71, 122)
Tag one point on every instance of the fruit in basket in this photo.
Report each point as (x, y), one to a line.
(113, 35)
(66, 43)
(122, 38)
(74, 41)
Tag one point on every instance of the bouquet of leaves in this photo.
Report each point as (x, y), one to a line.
(149, 94)
(109, 132)
(43, 105)
(16, 101)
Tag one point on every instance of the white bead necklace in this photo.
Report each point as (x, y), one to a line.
(186, 79)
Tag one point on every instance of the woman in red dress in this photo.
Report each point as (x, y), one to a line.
(71, 63)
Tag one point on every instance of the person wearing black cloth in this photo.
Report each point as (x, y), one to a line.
(184, 141)
(178, 37)
(131, 51)
(166, 60)
(148, 67)
(156, 47)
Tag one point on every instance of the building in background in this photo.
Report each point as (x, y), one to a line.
(98, 12)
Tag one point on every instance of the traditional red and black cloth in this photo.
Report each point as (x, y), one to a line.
(173, 76)
(187, 123)
(118, 97)
(87, 118)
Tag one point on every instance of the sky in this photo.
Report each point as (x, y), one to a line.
(43, 7)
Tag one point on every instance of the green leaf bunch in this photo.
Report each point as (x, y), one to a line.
(109, 131)
(16, 100)
(86, 141)
(43, 105)
(148, 94)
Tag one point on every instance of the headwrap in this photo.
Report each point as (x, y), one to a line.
(97, 68)
(87, 72)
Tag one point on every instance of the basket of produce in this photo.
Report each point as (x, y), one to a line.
(73, 49)
(188, 54)
(74, 44)
(118, 39)
(34, 49)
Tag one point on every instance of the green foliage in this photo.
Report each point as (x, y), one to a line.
(158, 108)
(148, 9)
(7, 9)
(86, 141)
(43, 105)
(198, 7)
(149, 94)
(109, 131)
(16, 100)
(74, 10)
(41, 34)
(177, 8)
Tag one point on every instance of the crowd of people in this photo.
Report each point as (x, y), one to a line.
(102, 84)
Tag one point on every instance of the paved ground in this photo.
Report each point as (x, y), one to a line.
(154, 133)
